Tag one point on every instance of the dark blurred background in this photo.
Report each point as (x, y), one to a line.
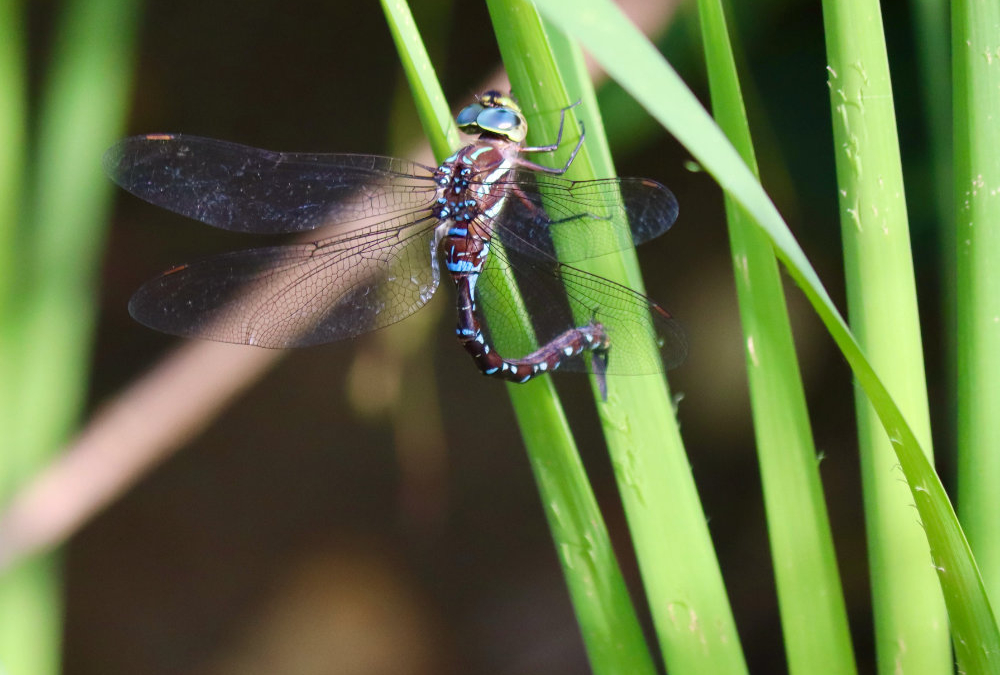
(289, 537)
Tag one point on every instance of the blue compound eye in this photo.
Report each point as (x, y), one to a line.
(503, 122)
(467, 118)
(499, 120)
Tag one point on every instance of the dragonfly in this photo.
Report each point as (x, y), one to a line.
(510, 233)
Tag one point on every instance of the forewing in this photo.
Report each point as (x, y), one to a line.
(296, 295)
(244, 189)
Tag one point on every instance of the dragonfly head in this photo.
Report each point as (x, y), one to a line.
(494, 114)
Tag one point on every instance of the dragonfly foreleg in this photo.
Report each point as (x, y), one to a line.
(554, 146)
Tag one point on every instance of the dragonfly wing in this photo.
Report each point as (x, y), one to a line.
(296, 295)
(585, 218)
(555, 296)
(236, 187)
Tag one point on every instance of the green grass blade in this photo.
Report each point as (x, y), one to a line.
(679, 569)
(631, 60)
(910, 617)
(31, 617)
(976, 26)
(607, 620)
(604, 611)
(13, 115)
(29, 594)
(82, 111)
(814, 618)
(933, 58)
(13, 129)
(435, 115)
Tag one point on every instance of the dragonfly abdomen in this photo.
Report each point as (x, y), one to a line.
(545, 359)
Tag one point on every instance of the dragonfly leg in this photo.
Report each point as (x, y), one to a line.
(554, 146)
(599, 366)
(546, 358)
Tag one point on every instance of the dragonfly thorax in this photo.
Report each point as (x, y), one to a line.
(466, 184)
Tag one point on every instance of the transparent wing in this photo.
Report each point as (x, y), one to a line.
(244, 189)
(555, 296)
(583, 216)
(297, 295)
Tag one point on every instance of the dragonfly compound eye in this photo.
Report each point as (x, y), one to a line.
(467, 118)
(506, 122)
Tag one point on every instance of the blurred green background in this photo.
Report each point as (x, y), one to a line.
(288, 538)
